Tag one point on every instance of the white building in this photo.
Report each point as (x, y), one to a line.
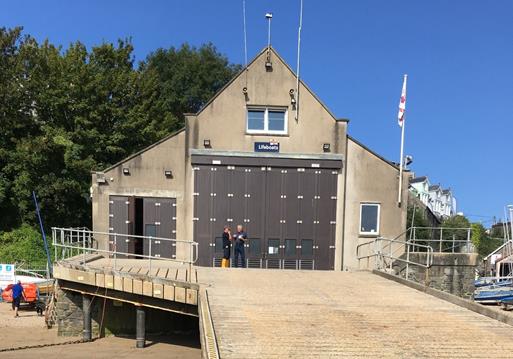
(440, 201)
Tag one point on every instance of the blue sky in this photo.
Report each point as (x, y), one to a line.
(458, 55)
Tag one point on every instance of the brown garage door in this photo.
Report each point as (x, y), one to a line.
(288, 212)
(142, 216)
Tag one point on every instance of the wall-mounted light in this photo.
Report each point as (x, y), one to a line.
(292, 97)
(206, 143)
(408, 160)
(126, 171)
(326, 147)
(168, 173)
(245, 90)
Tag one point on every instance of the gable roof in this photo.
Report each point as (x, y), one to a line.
(262, 53)
(418, 179)
(435, 187)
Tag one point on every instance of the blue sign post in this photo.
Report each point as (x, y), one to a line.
(267, 147)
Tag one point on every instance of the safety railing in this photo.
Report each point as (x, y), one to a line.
(79, 244)
(394, 251)
(443, 239)
(389, 252)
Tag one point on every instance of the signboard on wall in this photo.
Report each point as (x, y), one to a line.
(7, 275)
(267, 147)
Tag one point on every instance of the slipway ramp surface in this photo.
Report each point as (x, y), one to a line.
(316, 314)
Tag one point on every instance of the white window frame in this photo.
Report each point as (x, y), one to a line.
(377, 222)
(266, 130)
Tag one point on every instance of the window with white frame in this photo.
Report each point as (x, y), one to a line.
(369, 218)
(266, 120)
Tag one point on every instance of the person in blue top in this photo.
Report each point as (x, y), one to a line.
(17, 294)
(240, 238)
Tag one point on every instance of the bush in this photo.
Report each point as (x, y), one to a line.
(23, 245)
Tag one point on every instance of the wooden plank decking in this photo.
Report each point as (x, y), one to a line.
(162, 279)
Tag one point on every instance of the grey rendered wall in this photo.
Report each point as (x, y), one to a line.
(146, 179)
(371, 179)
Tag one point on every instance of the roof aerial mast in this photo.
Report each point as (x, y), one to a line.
(298, 53)
(268, 63)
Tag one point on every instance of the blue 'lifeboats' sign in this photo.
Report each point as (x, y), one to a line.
(267, 147)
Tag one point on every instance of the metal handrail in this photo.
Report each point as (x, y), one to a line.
(380, 253)
(428, 251)
(73, 242)
(441, 240)
(510, 242)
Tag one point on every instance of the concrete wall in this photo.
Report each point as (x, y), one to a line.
(451, 272)
(371, 179)
(223, 120)
(146, 179)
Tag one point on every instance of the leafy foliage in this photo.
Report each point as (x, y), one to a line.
(23, 246)
(65, 113)
(483, 243)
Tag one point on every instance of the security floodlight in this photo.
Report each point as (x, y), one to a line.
(206, 143)
(126, 171)
(168, 173)
(408, 160)
(268, 15)
(326, 147)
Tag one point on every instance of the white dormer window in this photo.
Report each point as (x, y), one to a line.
(266, 121)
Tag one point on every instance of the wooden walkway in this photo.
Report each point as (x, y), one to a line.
(163, 280)
(296, 314)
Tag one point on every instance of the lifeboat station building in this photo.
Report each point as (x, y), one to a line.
(264, 154)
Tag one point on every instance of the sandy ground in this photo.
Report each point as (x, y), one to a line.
(29, 329)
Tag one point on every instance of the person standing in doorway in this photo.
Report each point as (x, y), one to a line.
(17, 294)
(240, 238)
(227, 245)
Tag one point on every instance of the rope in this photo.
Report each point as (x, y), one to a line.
(78, 341)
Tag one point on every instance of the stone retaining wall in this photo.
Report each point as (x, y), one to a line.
(115, 317)
(451, 272)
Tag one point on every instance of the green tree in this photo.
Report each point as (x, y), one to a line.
(65, 113)
(23, 246)
(483, 243)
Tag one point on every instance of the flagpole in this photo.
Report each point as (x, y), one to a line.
(402, 122)
(399, 196)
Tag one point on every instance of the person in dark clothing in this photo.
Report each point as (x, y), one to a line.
(17, 295)
(240, 239)
(227, 244)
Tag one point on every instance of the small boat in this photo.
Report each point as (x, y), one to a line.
(484, 282)
(493, 294)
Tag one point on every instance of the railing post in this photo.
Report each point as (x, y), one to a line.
(191, 254)
(84, 246)
(54, 240)
(390, 258)
(468, 239)
(62, 243)
(115, 249)
(441, 237)
(407, 261)
(149, 250)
